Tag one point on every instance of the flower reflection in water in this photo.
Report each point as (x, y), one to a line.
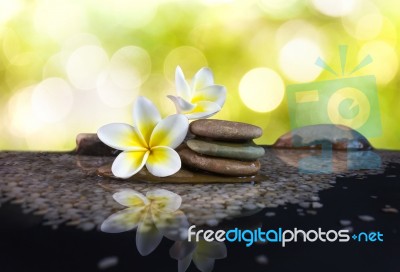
(154, 215)
(202, 253)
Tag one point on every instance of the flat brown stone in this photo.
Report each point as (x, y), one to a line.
(247, 151)
(220, 166)
(182, 176)
(224, 130)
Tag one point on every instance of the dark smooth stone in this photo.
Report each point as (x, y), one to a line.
(333, 137)
(239, 151)
(220, 166)
(224, 130)
(90, 144)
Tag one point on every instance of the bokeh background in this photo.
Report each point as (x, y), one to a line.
(70, 66)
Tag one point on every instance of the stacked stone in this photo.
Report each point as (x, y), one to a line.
(223, 147)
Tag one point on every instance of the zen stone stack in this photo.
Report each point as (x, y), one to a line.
(223, 147)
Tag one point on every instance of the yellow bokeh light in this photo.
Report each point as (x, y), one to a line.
(56, 64)
(78, 40)
(156, 88)
(130, 66)
(189, 58)
(365, 23)
(52, 100)
(217, 2)
(24, 59)
(335, 8)
(112, 94)
(90, 106)
(385, 61)
(105, 53)
(11, 43)
(296, 29)
(281, 9)
(297, 60)
(59, 18)
(131, 14)
(21, 120)
(48, 136)
(389, 32)
(84, 66)
(8, 9)
(261, 89)
(369, 26)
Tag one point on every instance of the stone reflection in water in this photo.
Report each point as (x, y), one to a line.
(318, 143)
(358, 160)
(326, 161)
(154, 215)
(202, 253)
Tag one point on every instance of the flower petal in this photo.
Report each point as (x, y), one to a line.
(182, 87)
(213, 249)
(203, 78)
(204, 109)
(214, 93)
(124, 220)
(182, 249)
(120, 136)
(171, 131)
(181, 104)
(129, 163)
(130, 198)
(164, 200)
(163, 161)
(183, 264)
(204, 264)
(147, 236)
(173, 225)
(145, 117)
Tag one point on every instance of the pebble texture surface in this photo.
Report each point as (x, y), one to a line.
(65, 189)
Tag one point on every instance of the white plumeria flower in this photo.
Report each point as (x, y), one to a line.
(202, 98)
(155, 215)
(150, 142)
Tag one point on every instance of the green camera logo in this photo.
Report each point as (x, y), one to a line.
(351, 101)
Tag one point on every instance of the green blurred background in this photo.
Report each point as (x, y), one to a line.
(70, 66)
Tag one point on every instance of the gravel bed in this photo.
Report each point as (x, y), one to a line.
(65, 189)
